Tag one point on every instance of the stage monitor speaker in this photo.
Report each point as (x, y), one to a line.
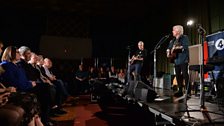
(141, 91)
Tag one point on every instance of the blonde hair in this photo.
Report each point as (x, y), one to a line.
(9, 54)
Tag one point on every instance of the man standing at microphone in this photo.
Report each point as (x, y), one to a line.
(178, 52)
(137, 61)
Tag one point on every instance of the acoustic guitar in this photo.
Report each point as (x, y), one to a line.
(173, 52)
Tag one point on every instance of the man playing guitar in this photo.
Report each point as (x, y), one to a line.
(178, 50)
(137, 61)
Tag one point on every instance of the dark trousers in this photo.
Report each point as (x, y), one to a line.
(182, 73)
(43, 92)
(82, 86)
(61, 92)
(136, 68)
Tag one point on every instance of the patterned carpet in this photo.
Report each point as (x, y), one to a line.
(81, 114)
(109, 112)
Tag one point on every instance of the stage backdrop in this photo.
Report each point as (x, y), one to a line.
(65, 47)
(216, 49)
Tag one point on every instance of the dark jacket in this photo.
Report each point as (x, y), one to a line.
(32, 73)
(183, 56)
(15, 76)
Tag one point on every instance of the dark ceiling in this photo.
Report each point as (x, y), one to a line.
(122, 8)
(118, 22)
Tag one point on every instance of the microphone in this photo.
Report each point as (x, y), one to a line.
(201, 29)
(167, 36)
(162, 40)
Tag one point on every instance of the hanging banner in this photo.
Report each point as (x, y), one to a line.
(216, 52)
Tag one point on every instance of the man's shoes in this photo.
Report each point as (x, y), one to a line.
(178, 94)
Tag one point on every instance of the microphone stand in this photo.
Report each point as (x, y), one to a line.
(129, 64)
(201, 33)
(161, 41)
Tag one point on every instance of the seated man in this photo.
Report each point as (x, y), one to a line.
(81, 79)
(113, 77)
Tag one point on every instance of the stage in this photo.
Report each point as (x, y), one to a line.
(189, 112)
(168, 109)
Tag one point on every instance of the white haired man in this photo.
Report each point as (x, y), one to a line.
(179, 52)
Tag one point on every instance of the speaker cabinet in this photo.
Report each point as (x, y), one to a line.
(140, 91)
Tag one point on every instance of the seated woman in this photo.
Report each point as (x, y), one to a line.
(15, 76)
(121, 76)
